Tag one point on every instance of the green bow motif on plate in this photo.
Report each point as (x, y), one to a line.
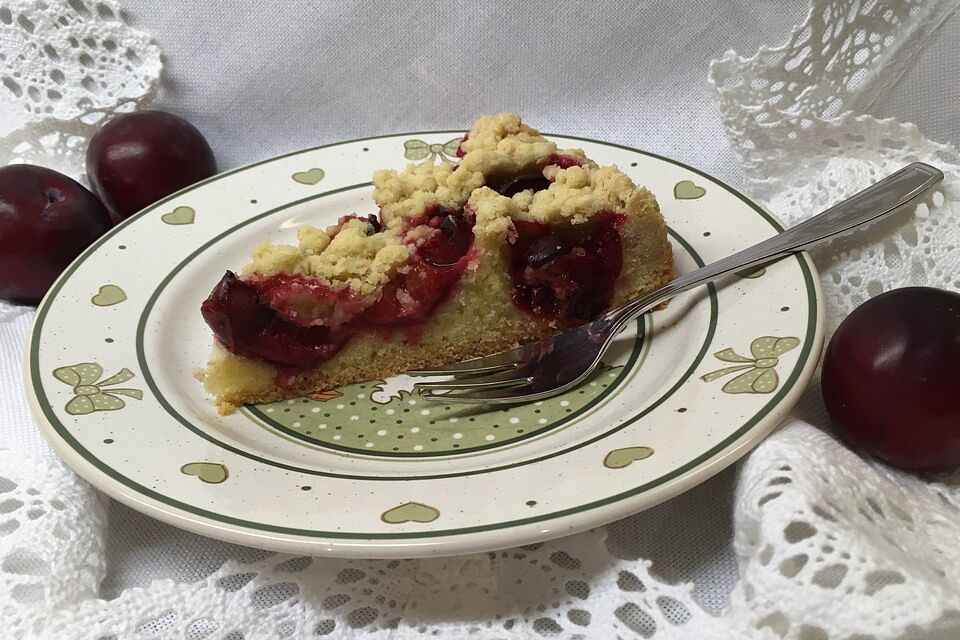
(759, 372)
(420, 150)
(88, 389)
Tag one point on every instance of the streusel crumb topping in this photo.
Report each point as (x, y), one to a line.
(497, 147)
(354, 257)
(578, 193)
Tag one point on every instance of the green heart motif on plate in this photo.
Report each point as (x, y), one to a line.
(108, 295)
(620, 458)
(410, 512)
(180, 215)
(752, 273)
(686, 190)
(309, 177)
(209, 472)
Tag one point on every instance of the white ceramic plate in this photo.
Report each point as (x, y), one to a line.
(371, 470)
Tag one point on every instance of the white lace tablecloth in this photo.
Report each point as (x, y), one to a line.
(803, 540)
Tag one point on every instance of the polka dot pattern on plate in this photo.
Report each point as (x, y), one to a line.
(404, 424)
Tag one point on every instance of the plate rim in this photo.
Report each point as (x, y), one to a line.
(450, 541)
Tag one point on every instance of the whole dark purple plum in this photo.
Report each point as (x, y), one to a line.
(137, 158)
(891, 378)
(46, 220)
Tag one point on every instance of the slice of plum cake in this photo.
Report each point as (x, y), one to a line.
(517, 241)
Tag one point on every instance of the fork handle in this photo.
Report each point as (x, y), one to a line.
(874, 202)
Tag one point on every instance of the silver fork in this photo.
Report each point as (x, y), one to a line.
(549, 367)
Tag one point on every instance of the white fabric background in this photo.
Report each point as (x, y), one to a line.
(261, 78)
(291, 75)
